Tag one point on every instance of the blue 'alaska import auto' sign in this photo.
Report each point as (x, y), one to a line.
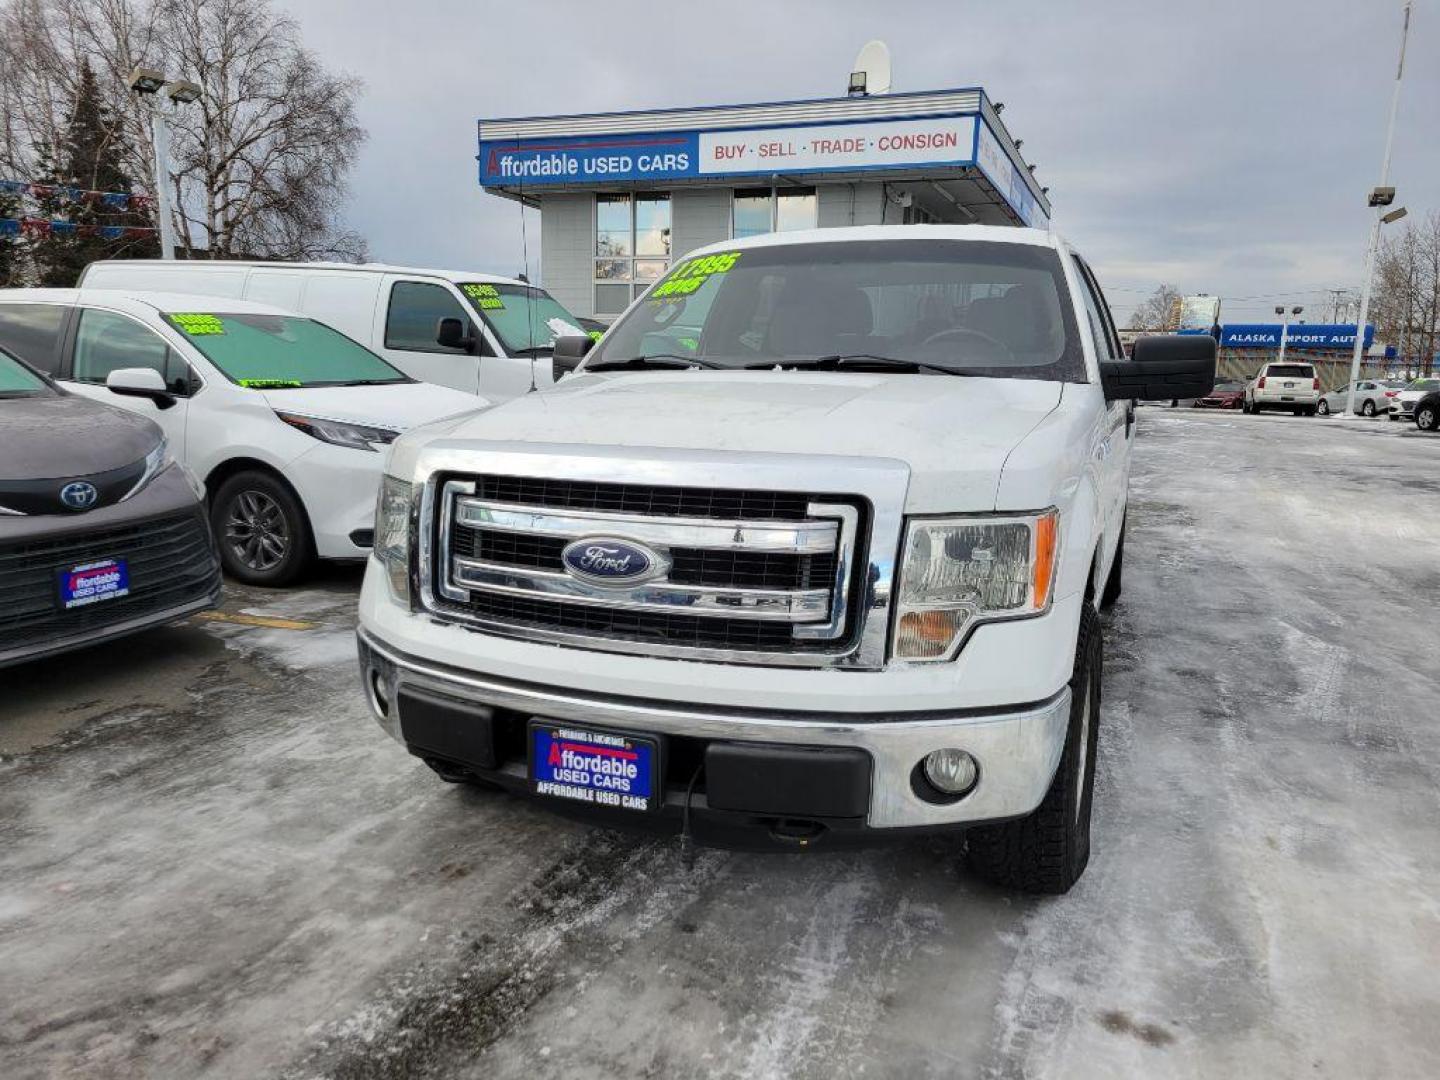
(1300, 336)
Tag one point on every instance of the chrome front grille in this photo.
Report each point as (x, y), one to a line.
(742, 576)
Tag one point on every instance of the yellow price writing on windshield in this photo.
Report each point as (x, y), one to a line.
(691, 274)
(195, 323)
(486, 297)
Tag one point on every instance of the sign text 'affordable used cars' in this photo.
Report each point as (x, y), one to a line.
(747, 152)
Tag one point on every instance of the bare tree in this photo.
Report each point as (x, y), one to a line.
(1406, 307)
(1159, 311)
(260, 162)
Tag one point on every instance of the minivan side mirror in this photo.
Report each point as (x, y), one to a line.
(1162, 368)
(569, 351)
(140, 382)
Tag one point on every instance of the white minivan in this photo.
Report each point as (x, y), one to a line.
(498, 345)
(282, 418)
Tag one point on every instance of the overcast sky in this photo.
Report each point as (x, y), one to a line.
(1225, 146)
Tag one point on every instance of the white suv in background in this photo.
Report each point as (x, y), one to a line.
(282, 417)
(1290, 385)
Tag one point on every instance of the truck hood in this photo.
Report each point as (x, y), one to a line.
(397, 406)
(954, 433)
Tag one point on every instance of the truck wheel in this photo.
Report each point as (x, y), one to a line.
(262, 530)
(1046, 851)
(1111, 592)
(1427, 417)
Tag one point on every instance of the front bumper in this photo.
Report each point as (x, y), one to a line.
(338, 484)
(1018, 749)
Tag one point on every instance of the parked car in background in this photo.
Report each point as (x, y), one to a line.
(102, 533)
(1402, 405)
(499, 347)
(1372, 397)
(281, 416)
(1228, 394)
(1293, 386)
(1427, 412)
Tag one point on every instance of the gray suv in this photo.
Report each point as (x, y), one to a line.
(101, 533)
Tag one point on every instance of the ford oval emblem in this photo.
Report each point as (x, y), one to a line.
(606, 560)
(79, 495)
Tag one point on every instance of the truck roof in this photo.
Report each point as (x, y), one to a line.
(1000, 234)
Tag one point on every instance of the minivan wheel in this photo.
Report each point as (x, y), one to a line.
(262, 530)
(1427, 418)
(1047, 850)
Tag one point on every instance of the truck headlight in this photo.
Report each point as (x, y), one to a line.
(392, 535)
(962, 571)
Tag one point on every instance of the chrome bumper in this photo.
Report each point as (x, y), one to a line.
(1018, 750)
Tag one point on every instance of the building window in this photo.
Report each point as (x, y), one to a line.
(763, 210)
(632, 247)
(915, 214)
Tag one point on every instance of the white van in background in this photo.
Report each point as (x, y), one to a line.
(499, 345)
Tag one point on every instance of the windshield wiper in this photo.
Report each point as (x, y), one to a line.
(654, 360)
(531, 350)
(365, 382)
(841, 361)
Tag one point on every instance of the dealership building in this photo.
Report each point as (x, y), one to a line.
(622, 195)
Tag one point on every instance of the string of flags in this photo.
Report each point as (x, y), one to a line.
(112, 200)
(41, 227)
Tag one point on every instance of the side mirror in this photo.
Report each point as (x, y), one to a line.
(450, 333)
(140, 382)
(569, 351)
(1162, 369)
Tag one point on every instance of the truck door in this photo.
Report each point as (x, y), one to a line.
(1120, 423)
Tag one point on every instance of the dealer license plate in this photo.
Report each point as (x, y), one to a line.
(94, 582)
(597, 767)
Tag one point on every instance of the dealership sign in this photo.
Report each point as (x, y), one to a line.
(888, 144)
(859, 146)
(1298, 336)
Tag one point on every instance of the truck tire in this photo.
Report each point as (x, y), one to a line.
(262, 530)
(1046, 851)
(1111, 592)
(1427, 416)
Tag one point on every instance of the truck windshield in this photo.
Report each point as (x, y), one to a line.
(524, 318)
(977, 307)
(273, 352)
(17, 380)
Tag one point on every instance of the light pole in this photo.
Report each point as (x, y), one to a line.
(1380, 198)
(1285, 328)
(147, 82)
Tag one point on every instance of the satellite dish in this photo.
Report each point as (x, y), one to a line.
(871, 71)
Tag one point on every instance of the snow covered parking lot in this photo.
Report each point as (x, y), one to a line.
(213, 863)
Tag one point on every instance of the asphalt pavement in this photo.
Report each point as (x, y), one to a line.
(214, 864)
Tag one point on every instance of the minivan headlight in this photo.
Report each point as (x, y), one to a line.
(392, 535)
(962, 571)
(339, 433)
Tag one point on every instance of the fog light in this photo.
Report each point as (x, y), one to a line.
(951, 771)
(380, 698)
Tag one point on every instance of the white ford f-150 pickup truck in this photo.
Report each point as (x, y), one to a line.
(809, 548)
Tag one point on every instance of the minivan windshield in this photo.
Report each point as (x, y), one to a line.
(958, 307)
(524, 318)
(268, 352)
(17, 380)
